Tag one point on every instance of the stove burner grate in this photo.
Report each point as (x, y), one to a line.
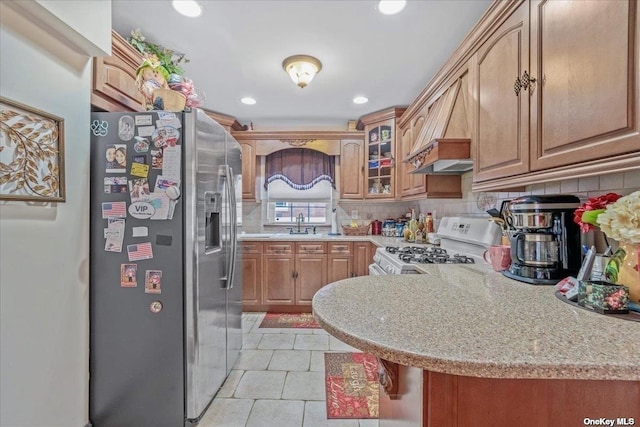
(436, 258)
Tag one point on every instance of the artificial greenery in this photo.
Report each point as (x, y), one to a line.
(169, 59)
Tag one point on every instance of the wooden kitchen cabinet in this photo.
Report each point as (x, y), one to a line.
(584, 101)
(114, 78)
(293, 272)
(311, 270)
(555, 93)
(339, 261)
(285, 275)
(251, 273)
(248, 148)
(310, 276)
(379, 155)
(278, 273)
(409, 184)
(501, 131)
(362, 257)
(351, 169)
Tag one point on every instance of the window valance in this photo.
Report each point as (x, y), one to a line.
(300, 168)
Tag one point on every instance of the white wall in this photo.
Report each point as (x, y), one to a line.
(44, 248)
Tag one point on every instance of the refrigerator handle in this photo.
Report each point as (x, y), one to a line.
(228, 176)
(234, 226)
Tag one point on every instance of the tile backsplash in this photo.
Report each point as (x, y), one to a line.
(471, 203)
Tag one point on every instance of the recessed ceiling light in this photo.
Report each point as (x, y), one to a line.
(188, 8)
(248, 100)
(360, 100)
(391, 7)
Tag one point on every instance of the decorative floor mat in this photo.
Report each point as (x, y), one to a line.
(289, 320)
(351, 381)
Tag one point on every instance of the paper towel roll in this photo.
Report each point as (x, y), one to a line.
(334, 222)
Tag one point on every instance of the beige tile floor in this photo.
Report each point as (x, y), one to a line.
(278, 380)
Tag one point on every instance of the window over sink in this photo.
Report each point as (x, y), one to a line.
(299, 187)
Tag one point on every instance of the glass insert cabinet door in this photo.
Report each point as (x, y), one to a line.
(380, 164)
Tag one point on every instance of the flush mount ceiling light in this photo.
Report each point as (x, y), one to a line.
(301, 68)
(248, 100)
(360, 100)
(188, 8)
(391, 7)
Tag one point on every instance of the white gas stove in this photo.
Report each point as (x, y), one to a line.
(463, 240)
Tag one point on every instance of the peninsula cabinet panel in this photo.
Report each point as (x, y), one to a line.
(248, 148)
(351, 169)
(278, 279)
(310, 275)
(584, 102)
(451, 400)
(501, 131)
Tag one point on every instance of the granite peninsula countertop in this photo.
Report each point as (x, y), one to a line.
(468, 320)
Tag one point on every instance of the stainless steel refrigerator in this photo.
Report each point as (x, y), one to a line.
(165, 268)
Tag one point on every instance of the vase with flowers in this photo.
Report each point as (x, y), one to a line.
(621, 221)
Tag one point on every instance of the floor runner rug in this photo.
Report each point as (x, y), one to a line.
(289, 320)
(351, 381)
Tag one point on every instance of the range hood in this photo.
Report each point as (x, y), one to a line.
(443, 145)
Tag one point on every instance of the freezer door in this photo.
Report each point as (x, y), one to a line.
(206, 260)
(136, 355)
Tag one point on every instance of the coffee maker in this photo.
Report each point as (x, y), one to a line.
(545, 247)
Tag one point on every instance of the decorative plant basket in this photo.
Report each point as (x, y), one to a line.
(356, 228)
(172, 100)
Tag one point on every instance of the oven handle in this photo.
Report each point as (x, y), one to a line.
(376, 270)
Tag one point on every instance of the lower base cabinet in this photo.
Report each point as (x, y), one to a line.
(310, 276)
(426, 398)
(251, 273)
(285, 275)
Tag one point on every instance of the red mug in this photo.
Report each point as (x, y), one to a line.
(499, 256)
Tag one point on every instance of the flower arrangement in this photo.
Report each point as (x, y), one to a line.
(168, 59)
(621, 219)
(160, 69)
(586, 216)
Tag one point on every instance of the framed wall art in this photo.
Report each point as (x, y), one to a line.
(31, 154)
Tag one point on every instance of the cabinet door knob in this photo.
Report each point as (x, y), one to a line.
(523, 82)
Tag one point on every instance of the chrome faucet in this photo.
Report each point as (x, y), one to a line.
(299, 221)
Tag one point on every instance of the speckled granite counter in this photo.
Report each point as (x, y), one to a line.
(471, 321)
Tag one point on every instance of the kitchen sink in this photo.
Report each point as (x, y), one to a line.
(254, 235)
(296, 236)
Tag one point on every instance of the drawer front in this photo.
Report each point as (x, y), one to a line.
(344, 248)
(311, 247)
(251, 247)
(278, 248)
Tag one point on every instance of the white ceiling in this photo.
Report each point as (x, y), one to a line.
(236, 49)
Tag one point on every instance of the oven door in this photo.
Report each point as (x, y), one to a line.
(376, 270)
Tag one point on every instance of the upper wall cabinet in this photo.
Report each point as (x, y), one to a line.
(114, 78)
(502, 114)
(248, 169)
(380, 155)
(562, 103)
(585, 94)
(351, 169)
(347, 145)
